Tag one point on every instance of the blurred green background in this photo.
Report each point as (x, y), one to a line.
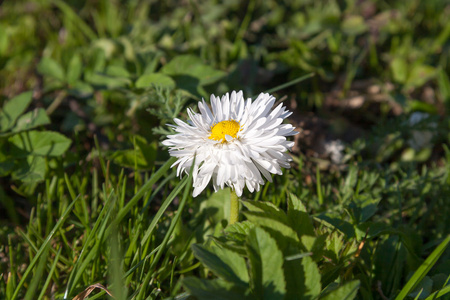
(87, 81)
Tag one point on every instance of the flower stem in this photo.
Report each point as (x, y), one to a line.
(234, 208)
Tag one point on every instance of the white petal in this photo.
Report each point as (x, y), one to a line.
(258, 150)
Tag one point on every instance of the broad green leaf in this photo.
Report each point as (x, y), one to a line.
(192, 66)
(117, 71)
(50, 67)
(363, 207)
(350, 181)
(399, 69)
(32, 119)
(295, 203)
(284, 233)
(31, 169)
(147, 80)
(74, 69)
(266, 264)
(132, 158)
(315, 245)
(423, 270)
(211, 213)
(312, 278)
(226, 264)
(80, 89)
(354, 25)
(13, 109)
(372, 229)
(238, 232)
(302, 278)
(103, 81)
(267, 209)
(44, 143)
(419, 75)
(299, 220)
(338, 223)
(215, 289)
(142, 157)
(345, 292)
(240, 227)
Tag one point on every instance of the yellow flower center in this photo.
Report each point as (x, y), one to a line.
(223, 128)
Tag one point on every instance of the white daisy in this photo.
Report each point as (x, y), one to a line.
(234, 144)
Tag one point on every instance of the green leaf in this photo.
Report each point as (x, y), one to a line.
(80, 89)
(419, 75)
(226, 264)
(211, 211)
(142, 157)
(295, 204)
(32, 119)
(103, 81)
(354, 25)
(268, 209)
(74, 69)
(50, 67)
(399, 69)
(147, 80)
(31, 169)
(266, 264)
(117, 71)
(240, 228)
(44, 143)
(302, 278)
(284, 233)
(13, 109)
(215, 289)
(312, 278)
(132, 159)
(363, 207)
(299, 220)
(194, 67)
(423, 269)
(344, 292)
(338, 223)
(238, 232)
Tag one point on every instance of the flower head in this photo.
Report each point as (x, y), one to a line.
(234, 143)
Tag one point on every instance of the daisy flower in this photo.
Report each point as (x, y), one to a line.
(236, 144)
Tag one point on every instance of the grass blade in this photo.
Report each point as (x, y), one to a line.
(290, 83)
(50, 274)
(122, 213)
(163, 245)
(38, 274)
(423, 269)
(44, 245)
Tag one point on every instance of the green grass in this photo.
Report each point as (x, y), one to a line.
(87, 195)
